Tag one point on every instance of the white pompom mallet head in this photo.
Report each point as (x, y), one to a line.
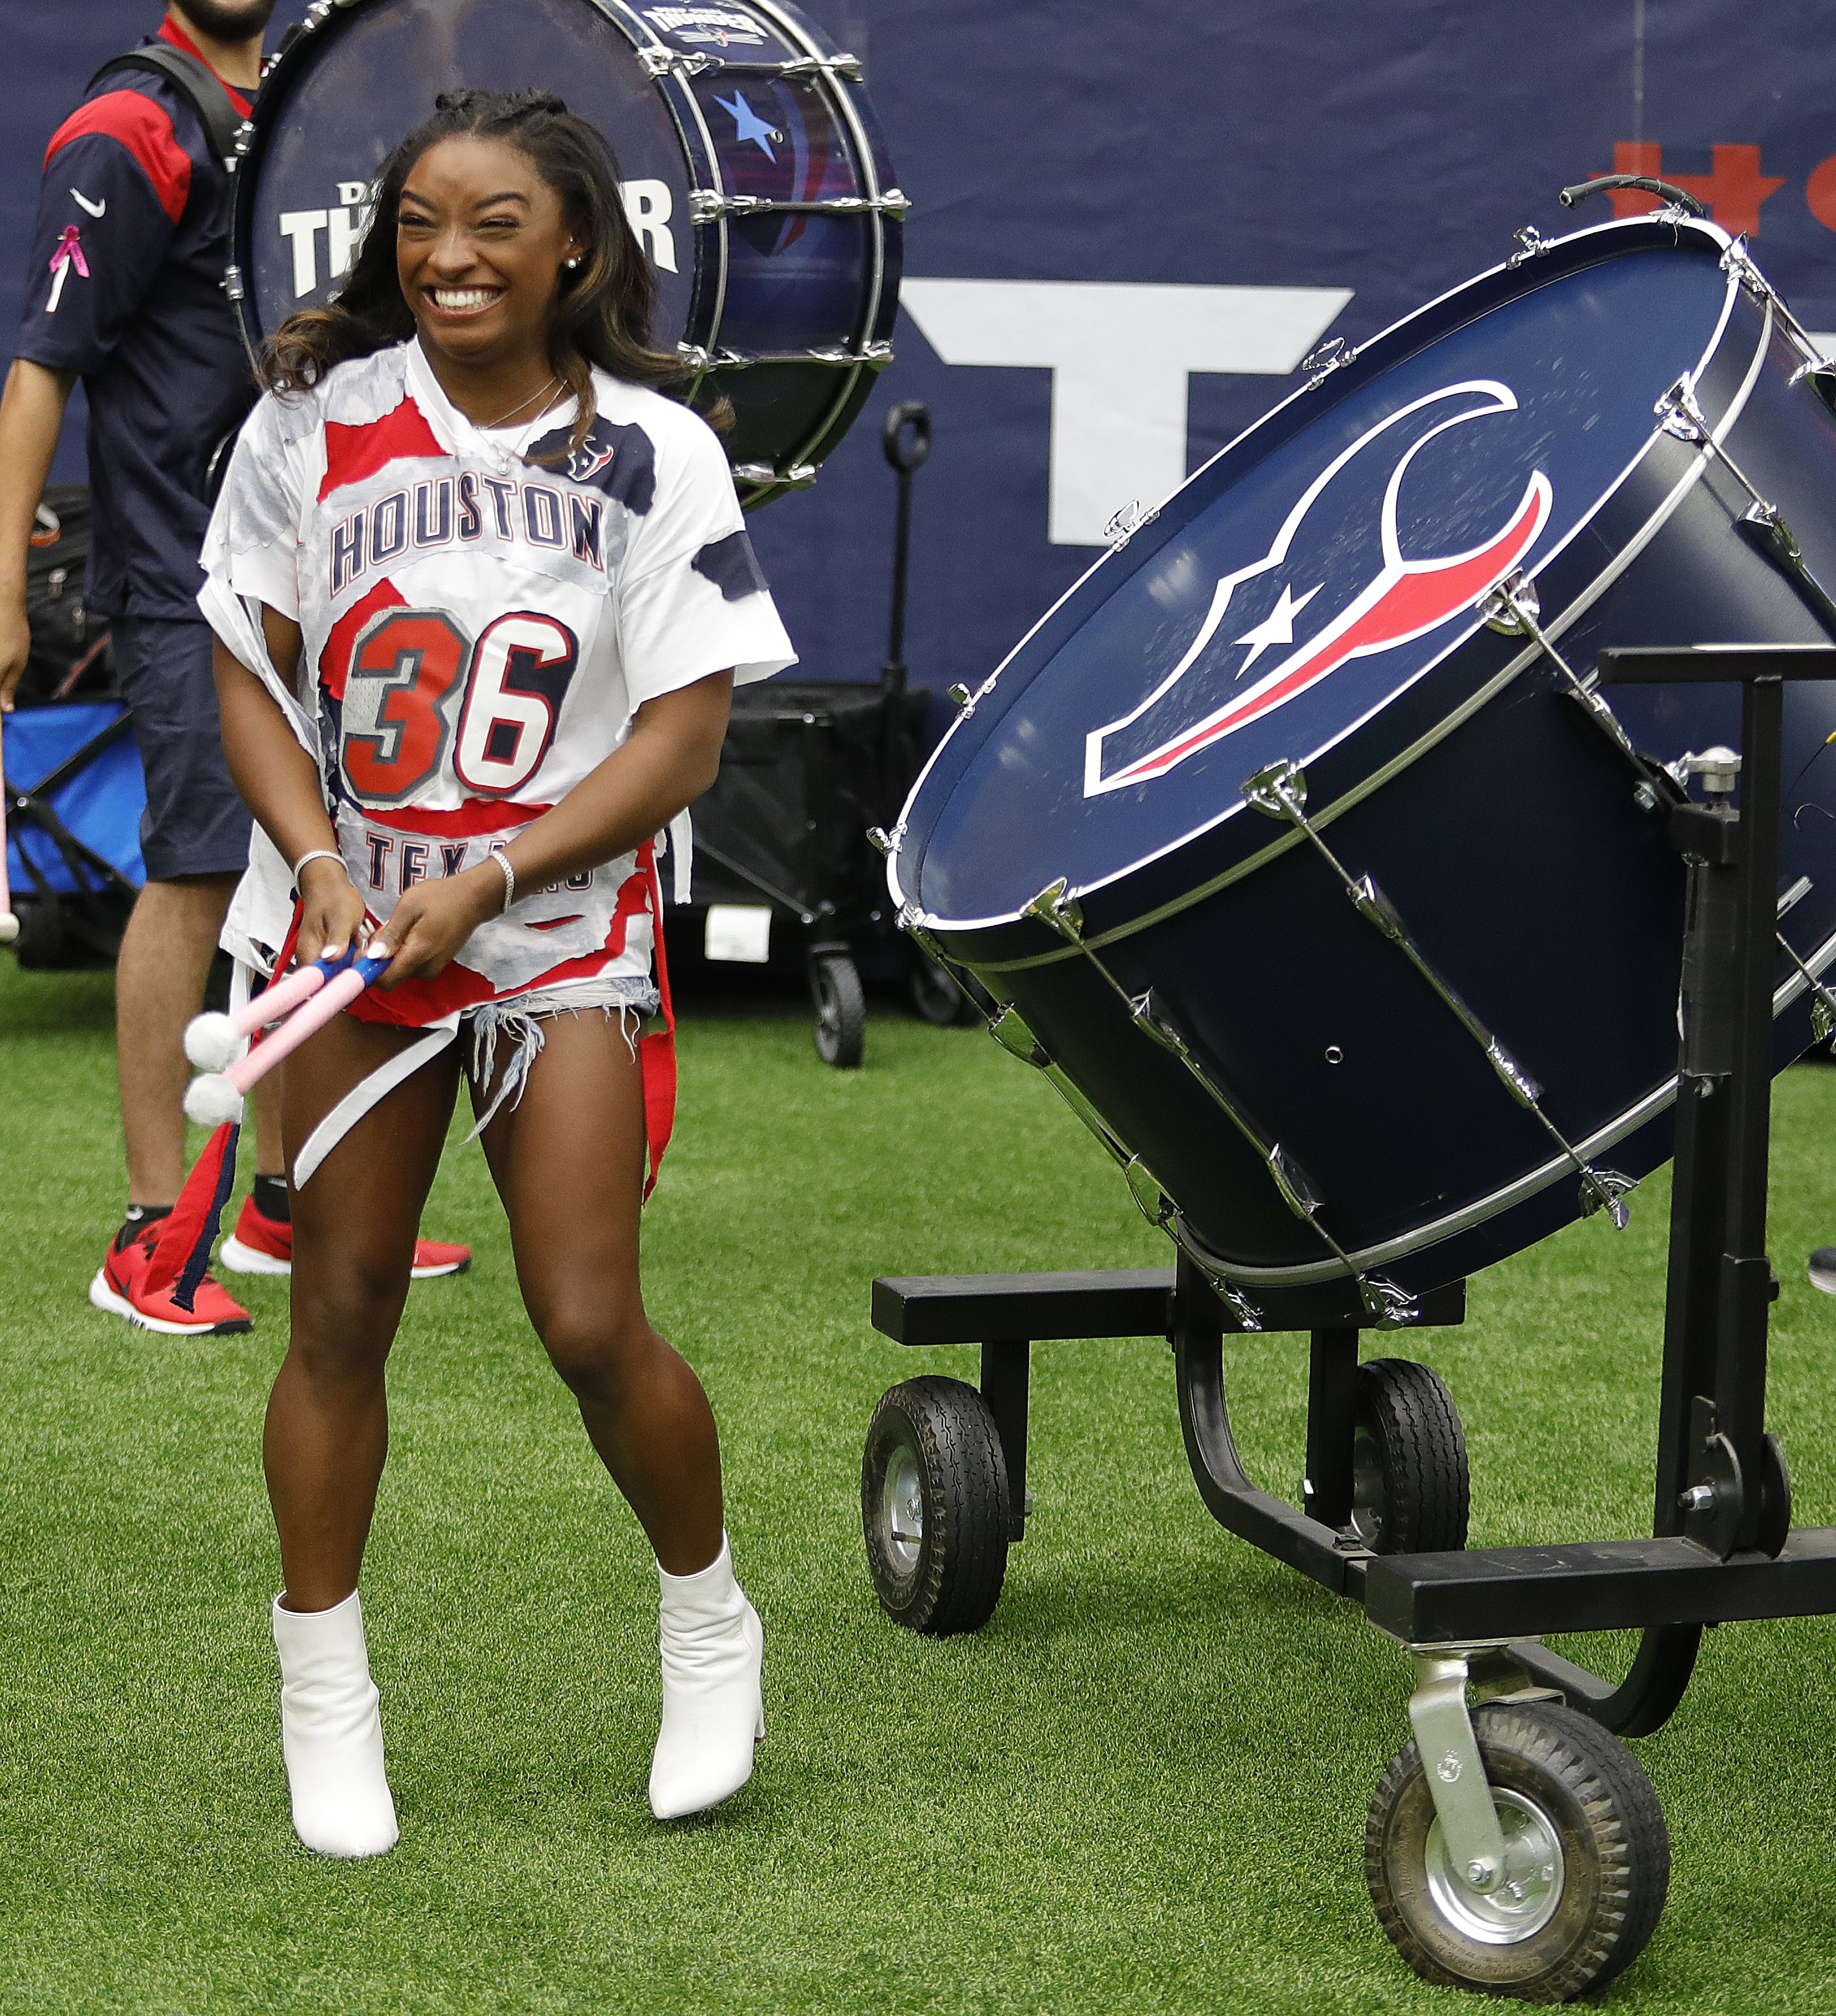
(211, 1041)
(211, 1100)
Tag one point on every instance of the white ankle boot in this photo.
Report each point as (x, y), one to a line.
(331, 1733)
(713, 1712)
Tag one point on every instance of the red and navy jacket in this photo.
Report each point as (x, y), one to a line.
(126, 290)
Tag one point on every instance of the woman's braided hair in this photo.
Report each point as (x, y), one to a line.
(603, 311)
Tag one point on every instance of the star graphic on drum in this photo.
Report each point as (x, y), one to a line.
(1278, 626)
(1405, 600)
(748, 125)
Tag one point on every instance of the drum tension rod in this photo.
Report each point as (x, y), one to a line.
(1280, 791)
(1009, 1029)
(1513, 610)
(1822, 1002)
(1738, 261)
(1763, 523)
(1055, 905)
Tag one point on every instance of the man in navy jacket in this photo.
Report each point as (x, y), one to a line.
(126, 293)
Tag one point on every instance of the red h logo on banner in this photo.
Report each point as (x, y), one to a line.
(1733, 189)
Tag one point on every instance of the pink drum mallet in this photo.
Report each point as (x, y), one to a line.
(211, 1039)
(217, 1096)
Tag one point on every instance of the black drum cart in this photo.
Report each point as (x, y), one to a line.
(808, 767)
(1515, 1846)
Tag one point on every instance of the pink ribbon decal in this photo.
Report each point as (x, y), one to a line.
(70, 252)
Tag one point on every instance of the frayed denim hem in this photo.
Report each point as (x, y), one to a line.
(520, 1018)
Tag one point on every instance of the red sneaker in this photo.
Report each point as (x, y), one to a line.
(260, 1245)
(116, 1288)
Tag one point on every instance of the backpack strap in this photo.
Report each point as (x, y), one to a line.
(200, 84)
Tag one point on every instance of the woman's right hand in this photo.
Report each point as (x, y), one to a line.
(331, 912)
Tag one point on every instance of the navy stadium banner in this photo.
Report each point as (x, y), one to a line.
(1130, 224)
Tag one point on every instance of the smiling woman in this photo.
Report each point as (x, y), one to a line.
(481, 595)
(546, 239)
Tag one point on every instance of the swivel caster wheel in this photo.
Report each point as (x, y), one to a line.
(934, 1506)
(1408, 1461)
(841, 1010)
(1587, 1861)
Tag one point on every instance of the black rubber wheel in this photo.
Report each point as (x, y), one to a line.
(1408, 1461)
(841, 1010)
(934, 1506)
(1587, 1861)
(936, 997)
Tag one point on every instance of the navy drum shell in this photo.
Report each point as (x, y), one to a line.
(754, 172)
(1456, 767)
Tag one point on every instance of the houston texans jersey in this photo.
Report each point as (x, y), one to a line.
(483, 612)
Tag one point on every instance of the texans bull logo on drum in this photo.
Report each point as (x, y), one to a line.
(1341, 583)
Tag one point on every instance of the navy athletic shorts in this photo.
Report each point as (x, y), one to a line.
(194, 823)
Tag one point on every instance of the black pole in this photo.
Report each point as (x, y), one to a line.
(904, 457)
(1746, 1272)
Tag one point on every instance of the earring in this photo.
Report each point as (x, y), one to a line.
(570, 264)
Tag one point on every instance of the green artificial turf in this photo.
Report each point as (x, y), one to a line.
(1142, 1786)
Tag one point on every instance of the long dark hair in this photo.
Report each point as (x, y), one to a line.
(603, 315)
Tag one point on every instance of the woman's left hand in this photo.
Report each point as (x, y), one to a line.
(433, 920)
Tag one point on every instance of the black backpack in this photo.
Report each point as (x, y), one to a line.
(201, 85)
(71, 658)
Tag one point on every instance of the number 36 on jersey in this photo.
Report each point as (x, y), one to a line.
(418, 687)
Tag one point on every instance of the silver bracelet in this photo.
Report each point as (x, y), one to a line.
(503, 861)
(317, 854)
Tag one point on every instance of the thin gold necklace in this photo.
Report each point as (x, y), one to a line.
(521, 403)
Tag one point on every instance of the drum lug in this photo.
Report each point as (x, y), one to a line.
(872, 356)
(841, 64)
(1531, 244)
(1144, 1187)
(1148, 1020)
(1125, 523)
(1506, 607)
(1010, 1031)
(659, 62)
(800, 475)
(1248, 1315)
(1056, 906)
(1394, 1308)
(1681, 415)
(1607, 1190)
(1279, 790)
(695, 358)
(1326, 358)
(909, 915)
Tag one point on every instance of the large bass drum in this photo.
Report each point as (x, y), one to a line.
(1295, 841)
(753, 176)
